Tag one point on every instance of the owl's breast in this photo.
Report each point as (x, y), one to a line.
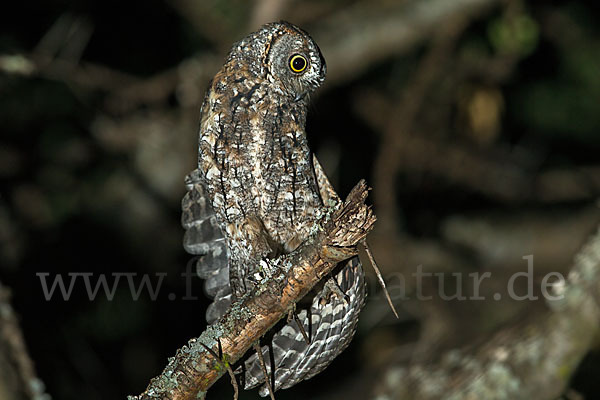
(284, 189)
(254, 151)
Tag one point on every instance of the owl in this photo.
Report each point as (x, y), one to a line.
(257, 193)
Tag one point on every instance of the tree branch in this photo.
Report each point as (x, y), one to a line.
(288, 279)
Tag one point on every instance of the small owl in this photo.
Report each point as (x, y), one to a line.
(256, 195)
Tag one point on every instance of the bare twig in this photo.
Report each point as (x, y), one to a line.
(379, 277)
(263, 367)
(193, 369)
(293, 316)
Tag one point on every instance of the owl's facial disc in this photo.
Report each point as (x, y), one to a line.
(296, 63)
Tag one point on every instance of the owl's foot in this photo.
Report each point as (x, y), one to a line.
(332, 288)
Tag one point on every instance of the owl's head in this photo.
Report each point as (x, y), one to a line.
(294, 60)
(287, 57)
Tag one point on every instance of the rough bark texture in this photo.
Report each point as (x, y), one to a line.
(193, 370)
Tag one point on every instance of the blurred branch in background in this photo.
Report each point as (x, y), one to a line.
(408, 145)
(361, 36)
(398, 128)
(18, 380)
(354, 39)
(531, 359)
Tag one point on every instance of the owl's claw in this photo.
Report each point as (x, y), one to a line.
(332, 288)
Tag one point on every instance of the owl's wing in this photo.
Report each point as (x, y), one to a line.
(330, 331)
(331, 327)
(204, 238)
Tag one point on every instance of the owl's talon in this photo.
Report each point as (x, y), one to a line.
(291, 313)
(332, 288)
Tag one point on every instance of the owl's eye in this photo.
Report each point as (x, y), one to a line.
(298, 63)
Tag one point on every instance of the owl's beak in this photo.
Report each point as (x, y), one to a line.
(300, 96)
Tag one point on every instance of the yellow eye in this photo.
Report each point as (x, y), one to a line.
(298, 63)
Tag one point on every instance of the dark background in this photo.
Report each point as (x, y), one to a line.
(479, 132)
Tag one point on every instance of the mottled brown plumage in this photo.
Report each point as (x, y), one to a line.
(258, 192)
